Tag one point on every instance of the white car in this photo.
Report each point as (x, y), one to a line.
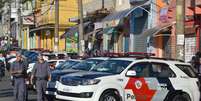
(132, 79)
(85, 65)
(55, 62)
(55, 55)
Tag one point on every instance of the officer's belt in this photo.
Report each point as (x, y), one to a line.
(19, 76)
(41, 78)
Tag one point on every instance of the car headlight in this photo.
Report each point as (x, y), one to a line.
(89, 82)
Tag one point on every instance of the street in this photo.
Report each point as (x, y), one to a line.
(6, 90)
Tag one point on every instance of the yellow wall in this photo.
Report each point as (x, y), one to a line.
(46, 16)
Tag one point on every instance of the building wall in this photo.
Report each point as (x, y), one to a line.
(92, 5)
(46, 17)
(119, 39)
(27, 21)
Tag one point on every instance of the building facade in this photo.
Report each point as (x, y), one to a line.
(43, 35)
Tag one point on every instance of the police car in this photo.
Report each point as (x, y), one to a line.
(132, 79)
(85, 65)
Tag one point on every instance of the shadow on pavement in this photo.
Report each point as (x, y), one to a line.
(6, 93)
(32, 100)
(4, 90)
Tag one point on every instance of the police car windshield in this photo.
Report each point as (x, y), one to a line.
(87, 64)
(111, 66)
(68, 64)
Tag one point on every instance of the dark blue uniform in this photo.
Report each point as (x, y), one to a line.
(19, 80)
(41, 72)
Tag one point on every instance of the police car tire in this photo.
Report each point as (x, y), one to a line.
(107, 94)
(181, 97)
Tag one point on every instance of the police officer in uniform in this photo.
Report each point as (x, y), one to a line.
(18, 71)
(41, 73)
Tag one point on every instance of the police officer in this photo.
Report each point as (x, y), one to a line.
(18, 71)
(41, 73)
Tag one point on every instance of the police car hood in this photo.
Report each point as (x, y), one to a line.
(63, 72)
(86, 75)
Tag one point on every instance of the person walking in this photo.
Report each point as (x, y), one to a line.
(41, 72)
(2, 69)
(18, 71)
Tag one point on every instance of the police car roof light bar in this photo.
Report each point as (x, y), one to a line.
(130, 54)
(140, 54)
(113, 54)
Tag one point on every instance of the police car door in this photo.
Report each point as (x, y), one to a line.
(159, 80)
(147, 84)
(137, 87)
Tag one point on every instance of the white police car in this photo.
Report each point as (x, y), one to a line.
(85, 65)
(129, 79)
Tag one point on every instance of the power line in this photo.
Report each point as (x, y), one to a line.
(46, 10)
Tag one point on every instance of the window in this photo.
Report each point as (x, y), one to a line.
(87, 64)
(161, 70)
(188, 70)
(112, 66)
(142, 69)
(146, 69)
(61, 56)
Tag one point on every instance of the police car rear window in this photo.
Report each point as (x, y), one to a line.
(187, 69)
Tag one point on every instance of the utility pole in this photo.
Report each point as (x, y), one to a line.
(103, 4)
(19, 24)
(9, 23)
(180, 24)
(81, 28)
(56, 28)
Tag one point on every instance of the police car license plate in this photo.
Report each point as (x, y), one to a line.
(66, 89)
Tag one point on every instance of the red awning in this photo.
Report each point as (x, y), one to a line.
(190, 11)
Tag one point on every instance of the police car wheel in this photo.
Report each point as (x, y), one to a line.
(109, 96)
(181, 97)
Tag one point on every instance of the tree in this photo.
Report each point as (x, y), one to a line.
(3, 2)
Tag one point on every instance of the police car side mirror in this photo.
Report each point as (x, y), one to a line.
(131, 73)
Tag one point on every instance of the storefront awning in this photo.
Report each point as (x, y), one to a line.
(96, 33)
(124, 13)
(70, 31)
(110, 30)
(41, 28)
(142, 39)
(75, 29)
(156, 30)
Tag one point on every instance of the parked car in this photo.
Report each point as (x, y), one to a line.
(55, 55)
(132, 79)
(85, 65)
(54, 63)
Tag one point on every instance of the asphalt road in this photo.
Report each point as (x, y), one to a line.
(6, 90)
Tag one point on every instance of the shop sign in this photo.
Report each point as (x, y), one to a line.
(180, 39)
(48, 32)
(28, 20)
(164, 15)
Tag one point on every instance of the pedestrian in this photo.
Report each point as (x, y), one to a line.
(2, 69)
(41, 72)
(18, 71)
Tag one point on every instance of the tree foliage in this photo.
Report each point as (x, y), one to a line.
(2, 2)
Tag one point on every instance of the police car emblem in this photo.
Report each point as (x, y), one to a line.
(138, 84)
